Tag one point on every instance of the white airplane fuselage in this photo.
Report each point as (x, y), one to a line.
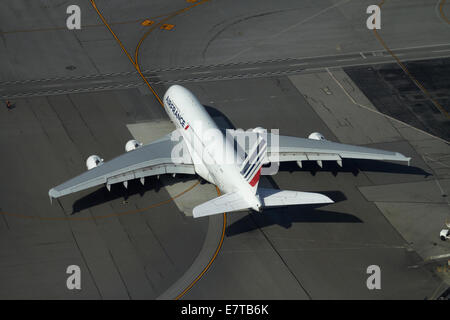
(208, 147)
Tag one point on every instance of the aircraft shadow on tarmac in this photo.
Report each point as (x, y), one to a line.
(286, 216)
(118, 191)
(353, 166)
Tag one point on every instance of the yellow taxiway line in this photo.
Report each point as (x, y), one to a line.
(212, 259)
(135, 63)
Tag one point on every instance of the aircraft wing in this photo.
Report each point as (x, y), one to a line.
(300, 149)
(286, 148)
(148, 160)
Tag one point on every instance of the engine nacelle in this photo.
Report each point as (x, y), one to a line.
(316, 136)
(93, 161)
(445, 234)
(132, 145)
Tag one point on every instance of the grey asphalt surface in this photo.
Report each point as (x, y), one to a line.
(145, 251)
(123, 249)
(227, 71)
(324, 251)
(382, 82)
(215, 32)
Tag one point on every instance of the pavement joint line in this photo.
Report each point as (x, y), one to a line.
(229, 77)
(292, 58)
(433, 296)
(446, 50)
(298, 64)
(290, 27)
(90, 218)
(133, 62)
(436, 161)
(447, 201)
(98, 217)
(188, 288)
(381, 62)
(213, 66)
(349, 59)
(64, 28)
(278, 253)
(376, 111)
(136, 64)
(408, 73)
(367, 108)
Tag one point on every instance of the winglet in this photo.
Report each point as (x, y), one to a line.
(53, 194)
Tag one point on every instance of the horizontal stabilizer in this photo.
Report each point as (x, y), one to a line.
(269, 198)
(227, 203)
(274, 197)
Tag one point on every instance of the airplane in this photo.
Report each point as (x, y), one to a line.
(234, 167)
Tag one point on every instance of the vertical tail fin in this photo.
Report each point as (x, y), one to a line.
(251, 167)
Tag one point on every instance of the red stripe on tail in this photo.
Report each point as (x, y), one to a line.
(255, 178)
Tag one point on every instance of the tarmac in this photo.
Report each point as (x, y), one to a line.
(302, 67)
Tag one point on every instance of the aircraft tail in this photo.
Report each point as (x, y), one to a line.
(269, 198)
(251, 167)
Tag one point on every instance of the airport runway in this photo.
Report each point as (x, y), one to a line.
(138, 243)
(209, 34)
(230, 71)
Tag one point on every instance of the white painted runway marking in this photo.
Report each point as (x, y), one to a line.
(201, 72)
(375, 111)
(298, 64)
(441, 50)
(245, 69)
(349, 59)
(51, 85)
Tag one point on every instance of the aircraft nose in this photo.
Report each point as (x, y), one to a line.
(174, 89)
(174, 92)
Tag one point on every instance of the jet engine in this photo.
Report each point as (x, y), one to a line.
(132, 145)
(316, 136)
(93, 161)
